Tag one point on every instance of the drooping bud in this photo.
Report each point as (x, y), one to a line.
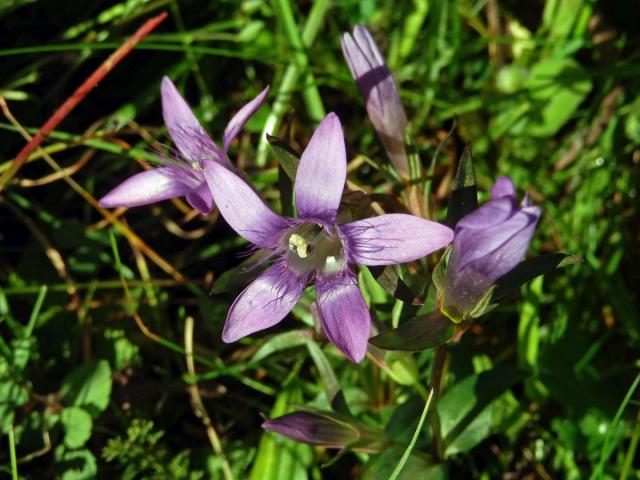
(380, 92)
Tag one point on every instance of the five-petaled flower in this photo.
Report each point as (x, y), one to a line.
(489, 242)
(380, 92)
(182, 175)
(314, 246)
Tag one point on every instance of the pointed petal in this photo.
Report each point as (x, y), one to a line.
(242, 208)
(183, 126)
(345, 317)
(472, 245)
(148, 187)
(240, 119)
(491, 213)
(201, 199)
(263, 303)
(322, 172)
(503, 187)
(393, 238)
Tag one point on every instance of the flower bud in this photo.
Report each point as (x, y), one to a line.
(328, 429)
(374, 79)
(313, 428)
(488, 243)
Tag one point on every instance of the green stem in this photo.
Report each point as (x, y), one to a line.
(631, 452)
(12, 454)
(414, 439)
(295, 69)
(437, 373)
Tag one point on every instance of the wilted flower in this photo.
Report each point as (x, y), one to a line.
(488, 243)
(184, 174)
(314, 247)
(380, 92)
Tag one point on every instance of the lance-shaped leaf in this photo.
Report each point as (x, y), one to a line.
(464, 197)
(286, 155)
(419, 333)
(388, 278)
(530, 269)
(465, 410)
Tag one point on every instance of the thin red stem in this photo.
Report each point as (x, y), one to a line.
(70, 103)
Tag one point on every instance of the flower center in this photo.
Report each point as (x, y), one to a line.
(311, 248)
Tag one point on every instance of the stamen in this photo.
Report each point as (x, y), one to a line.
(298, 244)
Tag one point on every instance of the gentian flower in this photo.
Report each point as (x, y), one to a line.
(182, 176)
(374, 79)
(314, 246)
(489, 242)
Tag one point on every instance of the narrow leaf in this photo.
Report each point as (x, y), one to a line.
(419, 333)
(388, 279)
(287, 156)
(464, 197)
(530, 269)
(465, 410)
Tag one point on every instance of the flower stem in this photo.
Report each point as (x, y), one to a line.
(437, 373)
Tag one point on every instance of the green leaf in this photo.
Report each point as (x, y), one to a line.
(282, 341)
(88, 386)
(380, 467)
(388, 278)
(77, 425)
(530, 269)
(12, 397)
(558, 86)
(464, 197)
(286, 155)
(419, 333)
(465, 410)
(75, 464)
(279, 458)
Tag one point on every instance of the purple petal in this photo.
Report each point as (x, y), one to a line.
(322, 172)
(471, 245)
(503, 187)
(393, 238)
(345, 317)
(201, 199)
(183, 126)
(148, 187)
(505, 258)
(242, 208)
(491, 213)
(240, 119)
(265, 302)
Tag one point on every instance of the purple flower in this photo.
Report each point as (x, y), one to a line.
(314, 247)
(380, 92)
(489, 242)
(182, 176)
(314, 429)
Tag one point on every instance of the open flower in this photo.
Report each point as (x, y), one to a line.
(489, 242)
(314, 247)
(380, 92)
(183, 175)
